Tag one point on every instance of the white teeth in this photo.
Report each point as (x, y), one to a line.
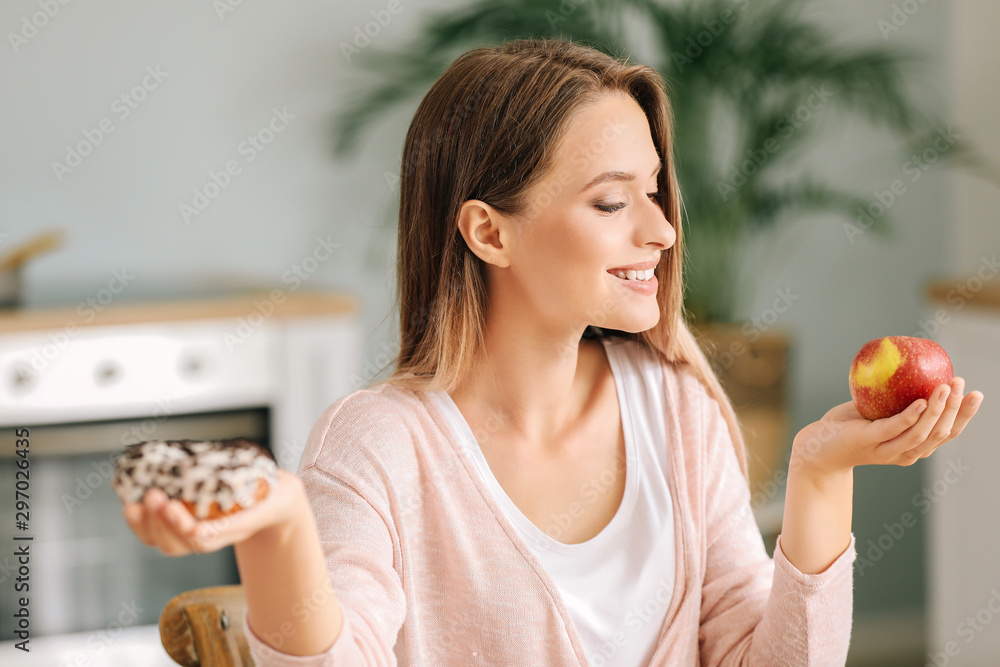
(635, 275)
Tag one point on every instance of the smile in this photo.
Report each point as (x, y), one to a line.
(637, 281)
(634, 275)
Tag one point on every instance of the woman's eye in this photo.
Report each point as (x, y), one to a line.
(611, 208)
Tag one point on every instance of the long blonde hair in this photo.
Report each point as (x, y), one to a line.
(487, 129)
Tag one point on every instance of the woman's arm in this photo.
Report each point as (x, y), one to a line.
(796, 607)
(816, 527)
(290, 601)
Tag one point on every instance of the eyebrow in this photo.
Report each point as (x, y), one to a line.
(616, 176)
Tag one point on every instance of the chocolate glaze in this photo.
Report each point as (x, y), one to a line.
(198, 471)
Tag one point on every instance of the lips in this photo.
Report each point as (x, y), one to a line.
(641, 266)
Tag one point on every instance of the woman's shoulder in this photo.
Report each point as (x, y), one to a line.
(371, 423)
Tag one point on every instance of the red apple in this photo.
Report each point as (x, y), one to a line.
(889, 373)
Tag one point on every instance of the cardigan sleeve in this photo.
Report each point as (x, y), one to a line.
(360, 556)
(758, 611)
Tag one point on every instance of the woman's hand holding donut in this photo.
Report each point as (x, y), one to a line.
(169, 526)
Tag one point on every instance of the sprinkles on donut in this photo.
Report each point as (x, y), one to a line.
(212, 478)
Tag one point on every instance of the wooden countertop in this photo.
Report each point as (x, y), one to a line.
(972, 290)
(274, 303)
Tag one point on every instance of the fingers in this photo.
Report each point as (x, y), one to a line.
(946, 416)
(168, 525)
(885, 430)
(142, 518)
(162, 523)
(214, 534)
(969, 406)
(151, 502)
(903, 444)
(942, 431)
(163, 517)
(134, 516)
(217, 533)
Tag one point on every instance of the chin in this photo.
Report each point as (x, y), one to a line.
(635, 324)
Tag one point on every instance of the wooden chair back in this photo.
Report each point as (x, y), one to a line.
(204, 628)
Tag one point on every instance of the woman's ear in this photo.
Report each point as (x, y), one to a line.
(486, 231)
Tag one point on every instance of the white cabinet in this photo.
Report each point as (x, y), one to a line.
(963, 489)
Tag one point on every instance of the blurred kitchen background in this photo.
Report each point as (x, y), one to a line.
(216, 269)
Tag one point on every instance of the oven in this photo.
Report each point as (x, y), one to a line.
(72, 397)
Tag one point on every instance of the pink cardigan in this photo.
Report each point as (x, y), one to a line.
(430, 573)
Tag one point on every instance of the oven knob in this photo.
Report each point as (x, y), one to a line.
(107, 374)
(192, 367)
(23, 379)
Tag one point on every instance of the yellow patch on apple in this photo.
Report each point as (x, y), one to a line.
(884, 363)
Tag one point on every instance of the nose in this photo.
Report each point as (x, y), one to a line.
(655, 227)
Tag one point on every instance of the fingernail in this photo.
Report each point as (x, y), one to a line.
(943, 396)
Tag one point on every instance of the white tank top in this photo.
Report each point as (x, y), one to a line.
(617, 585)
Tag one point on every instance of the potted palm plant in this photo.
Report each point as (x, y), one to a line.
(759, 70)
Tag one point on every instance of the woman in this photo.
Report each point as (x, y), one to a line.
(552, 475)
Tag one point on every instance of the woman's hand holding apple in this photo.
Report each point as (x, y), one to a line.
(843, 438)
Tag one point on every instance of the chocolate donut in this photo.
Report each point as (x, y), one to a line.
(212, 478)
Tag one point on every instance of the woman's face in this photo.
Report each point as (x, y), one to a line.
(591, 215)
